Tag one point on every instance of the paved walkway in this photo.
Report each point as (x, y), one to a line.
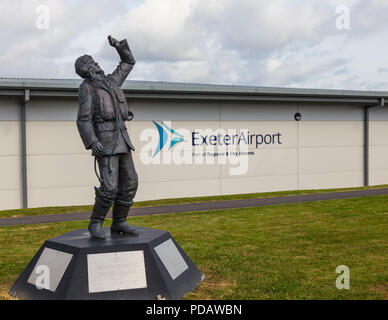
(200, 206)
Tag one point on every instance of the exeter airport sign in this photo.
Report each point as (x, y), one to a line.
(162, 144)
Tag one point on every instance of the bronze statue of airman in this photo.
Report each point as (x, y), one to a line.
(101, 120)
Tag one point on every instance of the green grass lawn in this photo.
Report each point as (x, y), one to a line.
(58, 210)
(286, 251)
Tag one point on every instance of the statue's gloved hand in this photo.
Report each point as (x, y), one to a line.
(123, 50)
(113, 42)
(98, 149)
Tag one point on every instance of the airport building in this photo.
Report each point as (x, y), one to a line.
(193, 140)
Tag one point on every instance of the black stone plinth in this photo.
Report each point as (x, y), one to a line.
(73, 284)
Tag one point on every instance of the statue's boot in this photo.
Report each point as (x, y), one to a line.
(96, 221)
(119, 224)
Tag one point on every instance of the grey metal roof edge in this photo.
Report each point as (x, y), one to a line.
(176, 87)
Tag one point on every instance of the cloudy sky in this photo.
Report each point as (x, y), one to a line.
(339, 44)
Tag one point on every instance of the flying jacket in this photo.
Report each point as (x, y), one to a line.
(103, 109)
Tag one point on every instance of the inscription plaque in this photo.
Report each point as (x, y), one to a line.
(116, 271)
(49, 269)
(171, 258)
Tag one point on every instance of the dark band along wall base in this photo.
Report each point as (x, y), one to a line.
(71, 266)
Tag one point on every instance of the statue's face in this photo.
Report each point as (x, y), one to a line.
(93, 65)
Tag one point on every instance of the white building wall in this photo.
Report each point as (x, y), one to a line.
(59, 169)
(378, 152)
(331, 146)
(323, 150)
(10, 177)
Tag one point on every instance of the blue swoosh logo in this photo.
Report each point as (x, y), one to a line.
(163, 137)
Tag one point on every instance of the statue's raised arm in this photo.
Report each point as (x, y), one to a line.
(127, 61)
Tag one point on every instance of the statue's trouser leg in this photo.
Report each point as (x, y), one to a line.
(105, 194)
(127, 187)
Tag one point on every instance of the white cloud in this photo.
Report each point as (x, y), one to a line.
(273, 64)
(30, 52)
(160, 30)
(253, 42)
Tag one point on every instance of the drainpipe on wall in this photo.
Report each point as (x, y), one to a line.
(23, 105)
(366, 139)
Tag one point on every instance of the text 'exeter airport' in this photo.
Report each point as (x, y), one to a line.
(235, 139)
